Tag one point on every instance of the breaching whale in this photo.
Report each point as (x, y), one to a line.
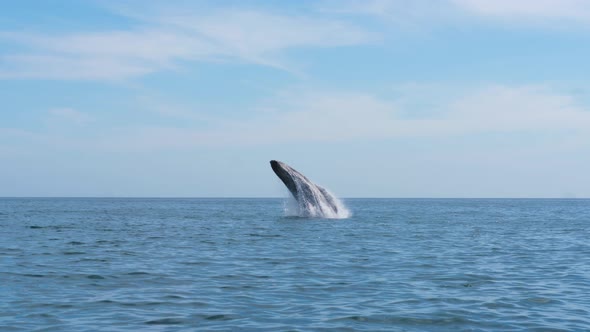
(313, 200)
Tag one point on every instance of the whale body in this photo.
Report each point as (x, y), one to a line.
(312, 200)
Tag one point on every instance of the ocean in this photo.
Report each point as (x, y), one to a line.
(135, 264)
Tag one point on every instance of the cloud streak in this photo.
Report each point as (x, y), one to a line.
(313, 117)
(161, 41)
(165, 38)
(418, 12)
(307, 117)
(65, 114)
(528, 9)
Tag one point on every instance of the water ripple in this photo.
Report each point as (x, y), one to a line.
(239, 264)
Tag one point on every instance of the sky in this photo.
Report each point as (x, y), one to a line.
(374, 98)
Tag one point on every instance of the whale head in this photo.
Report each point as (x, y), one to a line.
(285, 173)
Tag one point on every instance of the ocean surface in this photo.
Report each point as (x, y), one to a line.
(242, 265)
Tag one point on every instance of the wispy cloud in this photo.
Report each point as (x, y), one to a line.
(168, 36)
(306, 117)
(403, 12)
(69, 115)
(12, 141)
(40, 65)
(161, 41)
(529, 9)
(419, 12)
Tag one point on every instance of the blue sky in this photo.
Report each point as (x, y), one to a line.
(439, 98)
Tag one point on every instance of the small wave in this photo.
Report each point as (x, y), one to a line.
(93, 260)
(218, 317)
(165, 321)
(174, 297)
(33, 275)
(138, 273)
(401, 320)
(74, 253)
(264, 235)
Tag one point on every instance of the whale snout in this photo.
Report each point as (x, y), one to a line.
(281, 171)
(276, 165)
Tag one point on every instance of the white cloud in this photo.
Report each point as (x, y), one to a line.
(70, 67)
(241, 32)
(308, 117)
(525, 108)
(421, 12)
(160, 41)
(400, 11)
(12, 141)
(163, 39)
(529, 9)
(69, 115)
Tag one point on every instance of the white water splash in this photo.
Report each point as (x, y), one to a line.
(290, 206)
(313, 201)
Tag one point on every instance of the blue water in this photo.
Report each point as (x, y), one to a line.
(239, 264)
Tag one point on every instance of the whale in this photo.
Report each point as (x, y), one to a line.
(312, 199)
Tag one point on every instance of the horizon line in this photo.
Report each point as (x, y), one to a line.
(266, 197)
